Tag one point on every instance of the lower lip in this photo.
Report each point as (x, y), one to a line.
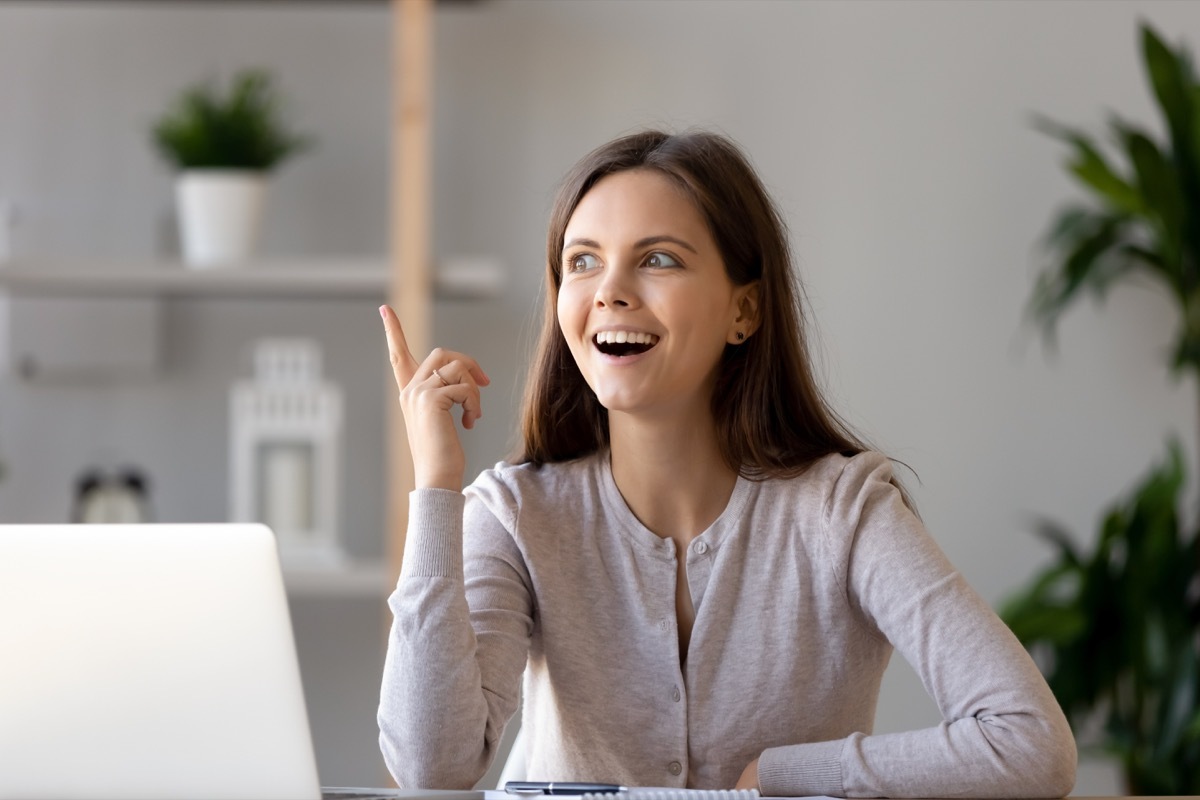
(622, 360)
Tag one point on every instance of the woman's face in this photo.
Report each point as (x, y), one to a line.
(645, 304)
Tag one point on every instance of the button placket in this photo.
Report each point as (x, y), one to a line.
(698, 570)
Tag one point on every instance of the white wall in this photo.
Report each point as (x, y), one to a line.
(895, 136)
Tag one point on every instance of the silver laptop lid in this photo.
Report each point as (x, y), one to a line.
(148, 661)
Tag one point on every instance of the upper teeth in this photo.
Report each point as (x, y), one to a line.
(625, 337)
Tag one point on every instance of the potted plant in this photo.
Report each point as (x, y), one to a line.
(1117, 629)
(223, 147)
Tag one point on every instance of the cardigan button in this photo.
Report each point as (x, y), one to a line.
(674, 768)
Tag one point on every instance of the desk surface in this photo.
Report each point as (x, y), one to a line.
(341, 793)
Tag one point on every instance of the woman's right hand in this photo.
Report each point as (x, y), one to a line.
(429, 390)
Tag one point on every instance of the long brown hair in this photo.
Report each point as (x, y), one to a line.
(771, 419)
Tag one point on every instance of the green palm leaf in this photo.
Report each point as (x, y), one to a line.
(1144, 215)
(1090, 167)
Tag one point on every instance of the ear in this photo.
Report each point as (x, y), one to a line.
(746, 322)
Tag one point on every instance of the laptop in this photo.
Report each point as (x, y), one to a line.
(154, 661)
(148, 661)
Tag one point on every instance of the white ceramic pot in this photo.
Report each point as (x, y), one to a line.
(220, 212)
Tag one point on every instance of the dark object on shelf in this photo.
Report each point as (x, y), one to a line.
(121, 496)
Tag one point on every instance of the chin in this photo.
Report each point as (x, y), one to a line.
(616, 401)
(626, 406)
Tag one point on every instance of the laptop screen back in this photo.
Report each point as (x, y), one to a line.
(148, 661)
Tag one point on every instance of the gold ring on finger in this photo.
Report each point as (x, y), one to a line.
(438, 375)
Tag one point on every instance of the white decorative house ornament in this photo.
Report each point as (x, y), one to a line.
(285, 431)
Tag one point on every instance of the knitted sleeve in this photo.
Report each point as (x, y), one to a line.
(457, 646)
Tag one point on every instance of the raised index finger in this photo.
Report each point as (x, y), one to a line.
(403, 363)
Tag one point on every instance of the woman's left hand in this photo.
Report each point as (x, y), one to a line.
(749, 779)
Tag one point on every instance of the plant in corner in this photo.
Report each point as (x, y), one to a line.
(223, 147)
(1117, 630)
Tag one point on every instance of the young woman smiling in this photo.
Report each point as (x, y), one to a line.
(700, 572)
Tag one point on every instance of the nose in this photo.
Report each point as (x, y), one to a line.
(614, 290)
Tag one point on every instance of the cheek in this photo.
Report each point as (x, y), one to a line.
(570, 322)
(571, 317)
(563, 312)
(702, 313)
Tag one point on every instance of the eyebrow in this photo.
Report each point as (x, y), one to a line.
(639, 244)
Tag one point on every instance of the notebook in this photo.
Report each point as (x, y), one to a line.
(148, 661)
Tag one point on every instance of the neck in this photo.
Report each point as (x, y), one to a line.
(670, 472)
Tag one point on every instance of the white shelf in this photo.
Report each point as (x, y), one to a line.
(344, 277)
(357, 579)
(347, 278)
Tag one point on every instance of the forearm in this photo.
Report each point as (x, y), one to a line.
(433, 718)
(1014, 755)
(440, 717)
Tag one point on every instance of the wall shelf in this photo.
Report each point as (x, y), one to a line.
(355, 579)
(343, 277)
(346, 278)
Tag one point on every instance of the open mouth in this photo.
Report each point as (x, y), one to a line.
(623, 343)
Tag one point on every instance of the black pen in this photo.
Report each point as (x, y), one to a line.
(556, 787)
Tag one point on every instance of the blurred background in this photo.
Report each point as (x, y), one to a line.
(895, 136)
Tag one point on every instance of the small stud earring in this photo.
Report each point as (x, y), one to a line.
(740, 336)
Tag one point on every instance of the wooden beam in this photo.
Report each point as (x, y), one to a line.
(410, 291)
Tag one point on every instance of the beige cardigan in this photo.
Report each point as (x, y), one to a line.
(801, 587)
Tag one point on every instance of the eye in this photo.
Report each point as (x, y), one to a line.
(582, 262)
(660, 260)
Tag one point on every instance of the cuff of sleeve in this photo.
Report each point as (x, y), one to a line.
(802, 769)
(433, 546)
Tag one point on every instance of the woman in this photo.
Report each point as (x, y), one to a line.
(699, 570)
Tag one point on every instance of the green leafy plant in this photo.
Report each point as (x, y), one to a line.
(1117, 631)
(1145, 218)
(242, 130)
